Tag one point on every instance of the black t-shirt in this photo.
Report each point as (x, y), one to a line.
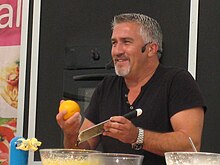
(169, 91)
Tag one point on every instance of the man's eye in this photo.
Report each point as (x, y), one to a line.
(127, 42)
(113, 43)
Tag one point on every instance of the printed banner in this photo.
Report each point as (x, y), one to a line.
(10, 39)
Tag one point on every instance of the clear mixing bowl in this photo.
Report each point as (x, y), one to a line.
(115, 159)
(192, 158)
(65, 156)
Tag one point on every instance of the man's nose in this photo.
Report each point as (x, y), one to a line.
(118, 49)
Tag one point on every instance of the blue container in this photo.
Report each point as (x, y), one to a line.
(17, 157)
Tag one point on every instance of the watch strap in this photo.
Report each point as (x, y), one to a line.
(140, 140)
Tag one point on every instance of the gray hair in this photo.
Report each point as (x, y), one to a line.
(150, 29)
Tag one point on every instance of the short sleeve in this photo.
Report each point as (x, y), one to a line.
(184, 93)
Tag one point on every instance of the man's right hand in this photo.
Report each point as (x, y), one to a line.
(70, 128)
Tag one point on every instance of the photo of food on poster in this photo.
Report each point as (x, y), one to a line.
(9, 78)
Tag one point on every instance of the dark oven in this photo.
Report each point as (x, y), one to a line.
(85, 67)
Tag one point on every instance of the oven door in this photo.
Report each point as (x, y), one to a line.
(79, 85)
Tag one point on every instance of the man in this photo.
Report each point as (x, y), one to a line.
(172, 104)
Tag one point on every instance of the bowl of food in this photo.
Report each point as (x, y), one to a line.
(115, 159)
(65, 156)
(192, 158)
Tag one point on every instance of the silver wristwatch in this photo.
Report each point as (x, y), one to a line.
(138, 145)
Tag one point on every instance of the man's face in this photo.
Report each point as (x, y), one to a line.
(126, 49)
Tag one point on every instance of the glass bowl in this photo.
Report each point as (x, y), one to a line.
(65, 156)
(192, 158)
(115, 159)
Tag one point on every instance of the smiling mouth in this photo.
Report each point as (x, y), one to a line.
(120, 60)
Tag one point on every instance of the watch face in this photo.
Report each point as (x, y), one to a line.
(137, 146)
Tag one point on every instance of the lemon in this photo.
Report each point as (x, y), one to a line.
(70, 106)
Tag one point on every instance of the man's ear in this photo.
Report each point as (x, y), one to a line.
(153, 49)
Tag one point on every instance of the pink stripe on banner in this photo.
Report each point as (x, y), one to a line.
(10, 22)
